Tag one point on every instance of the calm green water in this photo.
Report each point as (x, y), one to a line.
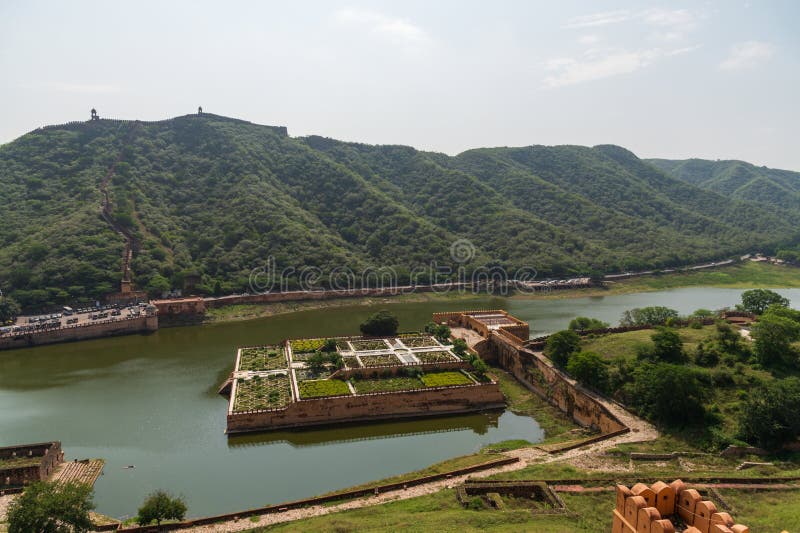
(151, 401)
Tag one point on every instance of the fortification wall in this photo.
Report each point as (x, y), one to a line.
(108, 328)
(427, 402)
(539, 375)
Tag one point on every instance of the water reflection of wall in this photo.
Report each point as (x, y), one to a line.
(479, 423)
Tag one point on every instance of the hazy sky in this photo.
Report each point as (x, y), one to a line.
(670, 79)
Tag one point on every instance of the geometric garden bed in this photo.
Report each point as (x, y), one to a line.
(270, 392)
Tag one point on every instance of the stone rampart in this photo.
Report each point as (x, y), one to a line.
(365, 407)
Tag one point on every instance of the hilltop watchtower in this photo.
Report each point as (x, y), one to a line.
(95, 116)
(200, 110)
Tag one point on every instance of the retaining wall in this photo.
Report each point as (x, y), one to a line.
(106, 328)
(365, 407)
(540, 376)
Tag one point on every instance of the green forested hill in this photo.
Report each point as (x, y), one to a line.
(737, 179)
(216, 197)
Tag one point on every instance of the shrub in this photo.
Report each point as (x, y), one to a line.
(706, 355)
(475, 503)
(722, 377)
(561, 345)
(666, 393)
(773, 335)
(160, 506)
(329, 345)
(589, 369)
(440, 331)
(382, 323)
(583, 323)
(668, 346)
(51, 507)
(9, 309)
(653, 316)
(771, 414)
(460, 348)
(758, 300)
(480, 366)
(319, 360)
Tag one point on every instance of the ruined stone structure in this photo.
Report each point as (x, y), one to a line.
(24, 464)
(493, 492)
(643, 509)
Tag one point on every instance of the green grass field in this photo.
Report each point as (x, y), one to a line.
(624, 345)
(591, 512)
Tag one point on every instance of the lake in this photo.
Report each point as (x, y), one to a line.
(151, 401)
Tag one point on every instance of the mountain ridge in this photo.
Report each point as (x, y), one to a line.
(215, 197)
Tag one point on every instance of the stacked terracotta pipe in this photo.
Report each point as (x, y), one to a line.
(643, 509)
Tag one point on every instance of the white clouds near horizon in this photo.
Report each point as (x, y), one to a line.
(747, 55)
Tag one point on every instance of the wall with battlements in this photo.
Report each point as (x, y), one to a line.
(653, 509)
